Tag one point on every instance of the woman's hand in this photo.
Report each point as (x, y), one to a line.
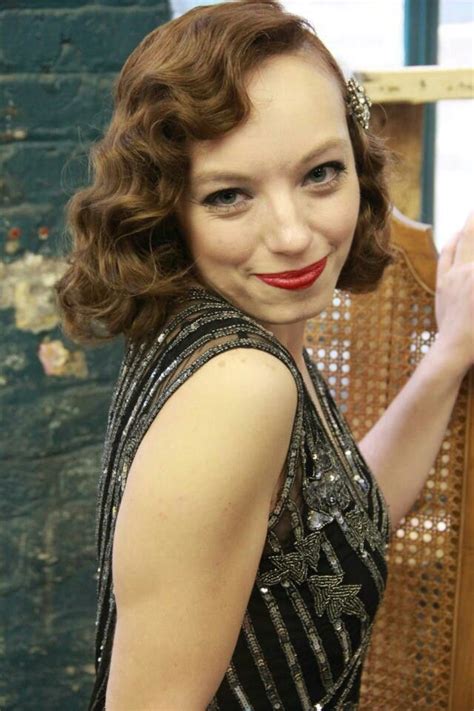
(454, 299)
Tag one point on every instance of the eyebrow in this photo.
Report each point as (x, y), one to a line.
(210, 176)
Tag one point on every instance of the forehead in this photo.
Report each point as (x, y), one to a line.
(297, 75)
(299, 91)
(297, 104)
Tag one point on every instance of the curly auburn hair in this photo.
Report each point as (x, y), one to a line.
(185, 82)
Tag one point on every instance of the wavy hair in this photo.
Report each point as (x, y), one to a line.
(185, 82)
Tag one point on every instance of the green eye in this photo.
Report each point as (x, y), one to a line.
(324, 174)
(328, 171)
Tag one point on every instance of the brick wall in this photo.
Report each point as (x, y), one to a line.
(58, 59)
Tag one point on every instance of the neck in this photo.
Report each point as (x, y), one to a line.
(291, 336)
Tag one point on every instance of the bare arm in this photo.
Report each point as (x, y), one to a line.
(402, 446)
(191, 529)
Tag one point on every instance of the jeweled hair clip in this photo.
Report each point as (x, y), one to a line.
(358, 102)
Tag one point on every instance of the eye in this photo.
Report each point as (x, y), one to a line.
(223, 195)
(328, 172)
(326, 175)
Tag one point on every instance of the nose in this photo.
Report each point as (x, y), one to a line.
(287, 230)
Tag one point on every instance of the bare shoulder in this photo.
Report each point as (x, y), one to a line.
(244, 373)
(192, 525)
(242, 389)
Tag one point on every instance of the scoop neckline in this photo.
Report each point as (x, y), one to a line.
(200, 290)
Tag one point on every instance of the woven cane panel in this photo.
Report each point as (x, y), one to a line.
(367, 346)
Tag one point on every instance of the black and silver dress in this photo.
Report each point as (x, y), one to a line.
(322, 573)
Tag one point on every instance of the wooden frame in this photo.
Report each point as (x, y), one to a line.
(401, 94)
(424, 261)
(419, 84)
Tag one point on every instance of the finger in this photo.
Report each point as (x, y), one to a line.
(464, 251)
(446, 256)
(469, 224)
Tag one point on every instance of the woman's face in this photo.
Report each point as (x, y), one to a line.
(286, 209)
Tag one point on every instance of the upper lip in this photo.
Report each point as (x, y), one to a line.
(295, 272)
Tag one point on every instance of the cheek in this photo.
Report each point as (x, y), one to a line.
(234, 253)
(348, 214)
(349, 219)
(211, 241)
(219, 244)
(338, 221)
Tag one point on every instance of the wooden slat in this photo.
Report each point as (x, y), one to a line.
(422, 253)
(401, 128)
(419, 84)
(462, 676)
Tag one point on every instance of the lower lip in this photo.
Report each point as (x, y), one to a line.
(300, 282)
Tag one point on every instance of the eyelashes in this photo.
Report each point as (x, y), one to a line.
(335, 168)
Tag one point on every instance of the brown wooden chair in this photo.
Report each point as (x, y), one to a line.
(367, 346)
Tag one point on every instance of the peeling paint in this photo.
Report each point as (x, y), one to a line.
(16, 134)
(26, 285)
(15, 361)
(58, 360)
(13, 240)
(12, 246)
(14, 233)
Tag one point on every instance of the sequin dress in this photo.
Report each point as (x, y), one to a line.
(322, 573)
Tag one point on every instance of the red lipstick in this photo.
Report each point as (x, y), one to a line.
(298, 279)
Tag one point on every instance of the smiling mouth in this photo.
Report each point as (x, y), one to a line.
(295, 272)
(303, 279)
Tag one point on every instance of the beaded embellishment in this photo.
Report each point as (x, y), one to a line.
(358, 102)
(304, 605)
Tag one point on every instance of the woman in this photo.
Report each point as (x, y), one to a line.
(241, 532)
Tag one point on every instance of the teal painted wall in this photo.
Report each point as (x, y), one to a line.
(58, 60)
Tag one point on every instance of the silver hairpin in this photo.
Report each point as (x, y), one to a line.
(358, 102)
